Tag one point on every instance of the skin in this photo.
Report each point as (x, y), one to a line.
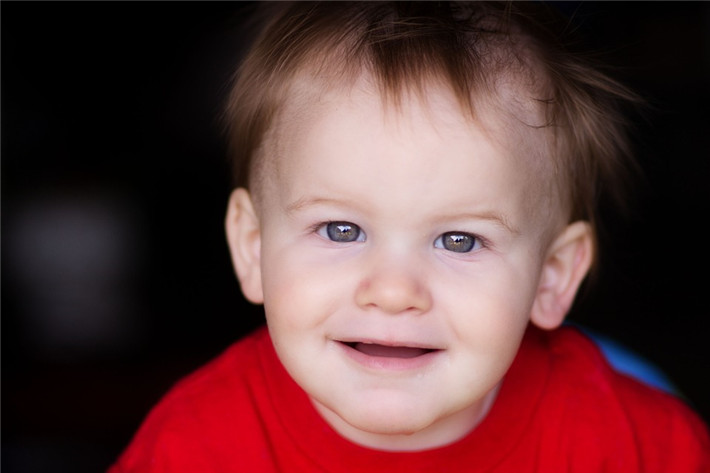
(404, 182)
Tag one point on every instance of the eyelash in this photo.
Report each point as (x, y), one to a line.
(471, 242)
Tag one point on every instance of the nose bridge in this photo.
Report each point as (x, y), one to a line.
(393, 282)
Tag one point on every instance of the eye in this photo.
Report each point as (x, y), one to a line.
(457, 242)
(341, 232)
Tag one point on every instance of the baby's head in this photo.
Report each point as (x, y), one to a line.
(422, 181)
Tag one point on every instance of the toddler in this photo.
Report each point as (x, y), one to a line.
(415, 209)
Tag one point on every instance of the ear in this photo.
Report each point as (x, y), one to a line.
(244, 239)
(566, 264)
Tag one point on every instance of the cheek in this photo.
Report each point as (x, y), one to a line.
(300, 291)
(490, 327)
(493, 305)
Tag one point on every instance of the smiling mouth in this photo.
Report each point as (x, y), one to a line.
(385, 351)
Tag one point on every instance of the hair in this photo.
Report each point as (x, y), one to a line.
(468, 46)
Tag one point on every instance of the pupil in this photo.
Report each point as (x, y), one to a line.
(340, 231)
(458, 242)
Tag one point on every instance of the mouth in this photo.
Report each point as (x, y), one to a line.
(390, 357)
(388, 351)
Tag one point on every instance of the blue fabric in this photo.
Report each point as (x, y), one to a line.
(626, 361)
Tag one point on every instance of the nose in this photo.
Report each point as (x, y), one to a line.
(394, 288)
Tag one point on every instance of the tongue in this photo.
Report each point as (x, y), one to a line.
(391, 352)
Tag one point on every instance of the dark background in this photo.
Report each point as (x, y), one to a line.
(116, 279)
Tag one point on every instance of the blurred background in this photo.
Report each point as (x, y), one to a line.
(116, 279)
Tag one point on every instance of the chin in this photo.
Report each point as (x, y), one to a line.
(386, 419)
(398, 433)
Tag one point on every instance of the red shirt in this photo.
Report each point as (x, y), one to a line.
(560, 408)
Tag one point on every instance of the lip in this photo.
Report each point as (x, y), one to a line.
(390, 363)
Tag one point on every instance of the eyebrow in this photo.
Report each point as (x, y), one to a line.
(305, 202)
(487, 215)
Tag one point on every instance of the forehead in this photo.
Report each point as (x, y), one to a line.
(511, 118)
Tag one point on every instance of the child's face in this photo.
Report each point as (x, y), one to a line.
(400, 259)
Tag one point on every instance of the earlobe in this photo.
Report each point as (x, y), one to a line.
(566, 264)
(244, 239)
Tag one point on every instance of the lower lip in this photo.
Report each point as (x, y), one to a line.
(386, 363)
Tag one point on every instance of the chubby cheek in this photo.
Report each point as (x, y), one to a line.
(300, 298)
(497, 311)
(300, 291)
